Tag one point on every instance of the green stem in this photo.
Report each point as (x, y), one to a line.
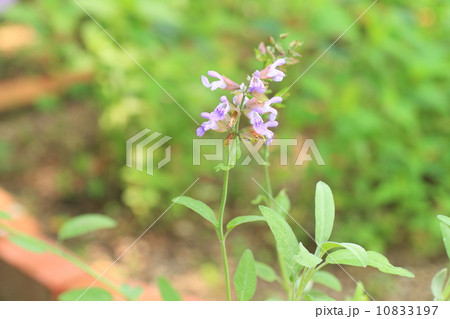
(221, 234)
(306, 277)
(286, 284)
(267, 182)
(226, 270)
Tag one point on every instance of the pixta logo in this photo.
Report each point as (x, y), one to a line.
(141, 150)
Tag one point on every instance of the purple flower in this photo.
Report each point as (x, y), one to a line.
(210, 125)
(222, 83)
(270, 72)
(267, 108)
(260, 127)
(219, 114)
(256, 85)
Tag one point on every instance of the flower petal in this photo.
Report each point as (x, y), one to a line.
(205, 82)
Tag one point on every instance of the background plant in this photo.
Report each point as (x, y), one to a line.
(74, 227)
(439, 286)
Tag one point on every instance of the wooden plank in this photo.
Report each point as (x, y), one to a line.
(23, 91)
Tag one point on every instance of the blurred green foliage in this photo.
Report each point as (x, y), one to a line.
(377, 104)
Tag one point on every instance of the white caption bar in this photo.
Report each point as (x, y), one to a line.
(217, 309)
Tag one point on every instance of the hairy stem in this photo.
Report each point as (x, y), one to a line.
(267, 182)
(306, 277)
(221, 234)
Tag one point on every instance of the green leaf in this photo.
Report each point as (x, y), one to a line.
(352, 254)
(380, 262)
(93, 294)
(287, 244)
(265, 272)
(168, 293)
(242, 220)
(359, 252)
(84, 224)
(305, 258)
(359, 294)
(314, 295)
(329, 245)
(274, 299)
(324, 212)
(132, 293)
(355, 255)
(245, 277)
(29, 243)
(282, 203)
(4, 215)
(437, 284)
(444, 219)
(327, 279)
(199, 207)
(445, 230)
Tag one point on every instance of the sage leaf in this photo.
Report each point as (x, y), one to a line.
(245, 277)
(437, 284)
(84, 224)
(265, 272)
(92, 294)
(327, 279)
(282, 203)
(380, 262)
(444, 219)
(199, 207)
(305, 258)
(314, 295)
(324, 212)
(4, 215)
(352, 254)
(445, 230)
(132, 293)
(168, 293)
(28, 243)
(286, 242)
(242, 220)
